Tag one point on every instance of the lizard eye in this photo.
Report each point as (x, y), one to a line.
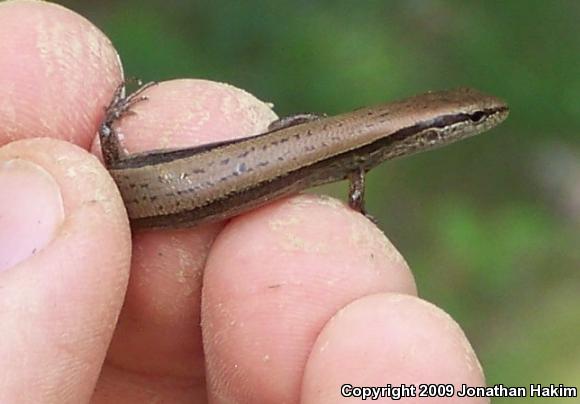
(477, 116)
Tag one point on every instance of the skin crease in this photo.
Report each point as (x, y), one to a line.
(289, 309)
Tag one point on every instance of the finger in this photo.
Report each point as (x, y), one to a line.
(391, 339)
(65, 246)
(159, 332)
(273, 279)
(57, 73)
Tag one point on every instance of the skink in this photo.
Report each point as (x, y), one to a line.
(186, 187)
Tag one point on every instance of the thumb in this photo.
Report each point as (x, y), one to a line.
(64, 264)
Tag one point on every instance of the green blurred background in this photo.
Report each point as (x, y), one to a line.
(490, 226)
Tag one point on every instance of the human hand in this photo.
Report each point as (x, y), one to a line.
(284, 304)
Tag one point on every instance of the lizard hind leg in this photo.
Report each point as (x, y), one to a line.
(119, 107)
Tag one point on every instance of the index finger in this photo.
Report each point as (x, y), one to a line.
(57, 72)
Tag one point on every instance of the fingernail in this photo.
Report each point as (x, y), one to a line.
(31, 210)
